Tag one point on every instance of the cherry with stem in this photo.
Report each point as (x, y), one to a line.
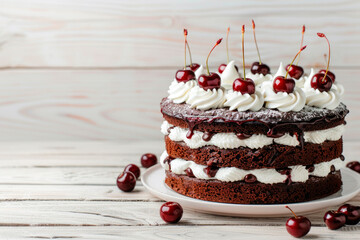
(193, 66)
(186, 74)
(244, 85)
(222, 66)
(297, 226)
(211, 80)
(295, 71)
(322, 81)
(258, 67)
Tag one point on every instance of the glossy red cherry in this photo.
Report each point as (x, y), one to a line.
(355, 165)
(171, 212)
(134, 169)
(184, 75)
(263, 69)
(319, 82)
(194, 66)
(351, 212)
(244, 85)
(223, 66)
(334, 220)
(295, 71)
(212, 81)
(298, 226)
(126, 181)
(148, 160)
(282, 84)
(330, 74)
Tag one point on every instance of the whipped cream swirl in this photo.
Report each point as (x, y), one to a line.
(179, 91)
(329, 99)
(283, 101)
(206, 99)
(259, 78)
(200, 71)
(229, 75)
(244, 102)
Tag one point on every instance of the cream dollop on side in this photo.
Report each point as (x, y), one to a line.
(314, 97)
(283, 101)
(229, 75)
(179, 91)
(200, 71)
(244, 102)
(206, 99)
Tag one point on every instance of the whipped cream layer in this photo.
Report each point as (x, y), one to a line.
(299, 173)
(231, 141)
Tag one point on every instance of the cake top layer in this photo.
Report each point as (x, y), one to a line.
(272, 116)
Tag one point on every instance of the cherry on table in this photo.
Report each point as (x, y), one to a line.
(184, 75)
(244, 85)
(148, 160)
(334, 219)
(295, 71)
(330, 74)
(171, 212)
(297, 226)
(262, 68)
(282, 84)
(133, 169)
(126, 181)
(352, 213)
(321, 82)
(354, 165)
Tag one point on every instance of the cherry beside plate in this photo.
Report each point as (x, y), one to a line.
(153, 180)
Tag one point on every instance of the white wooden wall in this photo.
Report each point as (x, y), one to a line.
(97, 69)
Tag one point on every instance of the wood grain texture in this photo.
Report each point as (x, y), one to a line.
(139, 33)
(120, 105)
(49, 191)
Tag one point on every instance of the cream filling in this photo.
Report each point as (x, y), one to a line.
(231, 141)
(299, 173)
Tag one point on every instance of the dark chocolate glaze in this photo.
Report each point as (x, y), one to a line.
(167, 160)
(287, 172)
(271, 119)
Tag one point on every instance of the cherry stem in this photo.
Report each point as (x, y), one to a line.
(227, 48)
(257, 48)
(291, 211)
(302, 40)
(242, 44)
(207, 59)
(287, 72)
(188, 47)
(328, 61)
(185, 35)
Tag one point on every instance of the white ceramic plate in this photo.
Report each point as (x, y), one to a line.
(153, 180)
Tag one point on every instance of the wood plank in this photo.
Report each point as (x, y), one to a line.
(173, 232)
(119, 105)
(139, 33)
(112, 213)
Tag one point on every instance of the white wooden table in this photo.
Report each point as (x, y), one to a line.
(67, 190)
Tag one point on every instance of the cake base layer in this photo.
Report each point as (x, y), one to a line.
(254, 193)
(272, 156)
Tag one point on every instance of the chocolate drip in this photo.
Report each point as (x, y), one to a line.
(167, 161)
(207, 136)
(212, 162)
(310, 168)
(243, 136)
(189, 172)
(191, 126)
(276, 135)
(169, 129)
(332, 169)
(342, 158)
(250, 178)
(287, 172)
(211, 171)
